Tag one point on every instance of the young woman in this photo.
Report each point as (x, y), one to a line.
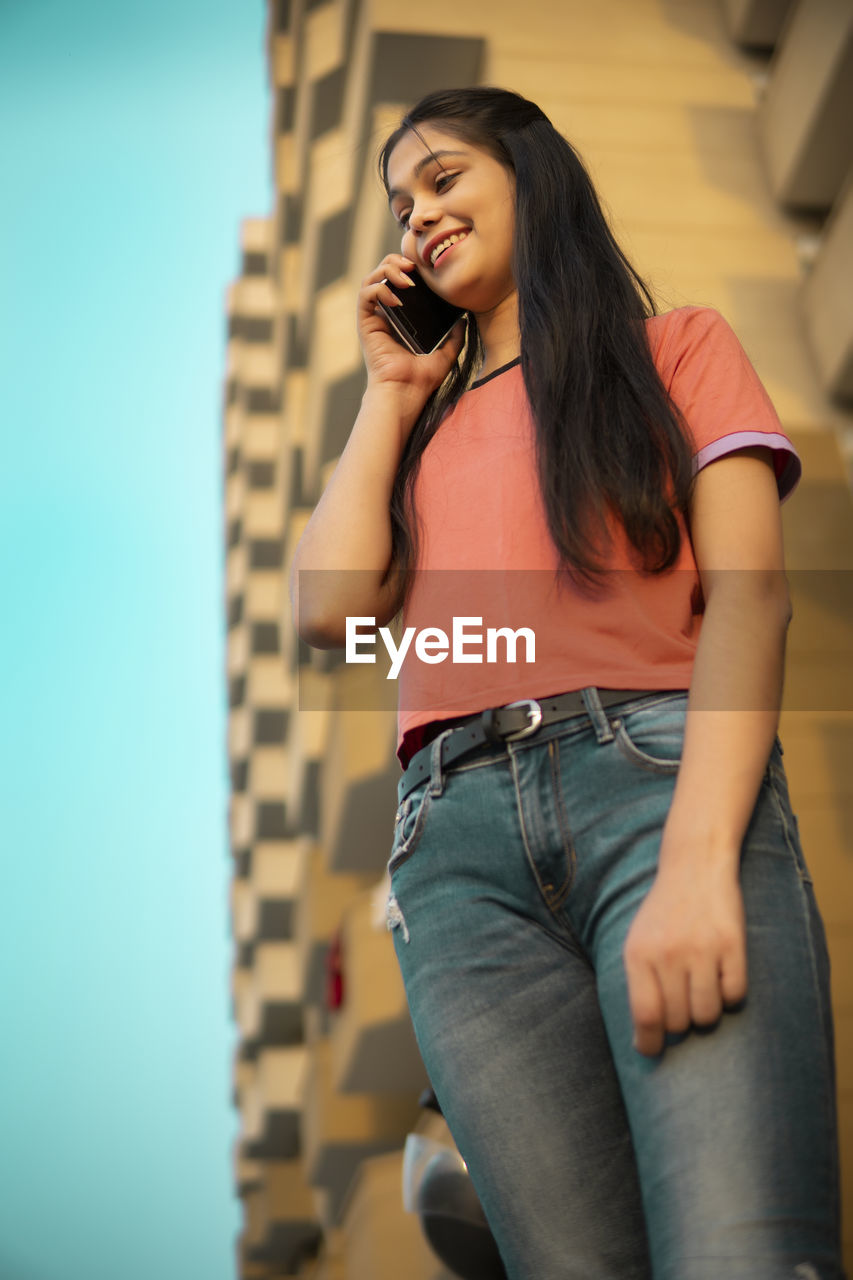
(614, 961)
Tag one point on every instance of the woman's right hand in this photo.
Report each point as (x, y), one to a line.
(390, 365)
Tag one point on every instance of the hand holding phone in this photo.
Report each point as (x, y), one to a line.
(424, 321)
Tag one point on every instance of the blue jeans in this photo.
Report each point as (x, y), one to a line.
(515, 875)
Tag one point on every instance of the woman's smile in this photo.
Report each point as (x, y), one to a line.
(440, 246)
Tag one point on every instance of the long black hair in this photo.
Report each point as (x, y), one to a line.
(609, 439)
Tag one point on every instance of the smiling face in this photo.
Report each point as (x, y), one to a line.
(456, 206)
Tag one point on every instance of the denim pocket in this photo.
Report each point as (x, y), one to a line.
(653, 735)
(408, 825)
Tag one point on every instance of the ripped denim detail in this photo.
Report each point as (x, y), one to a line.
(394, 918)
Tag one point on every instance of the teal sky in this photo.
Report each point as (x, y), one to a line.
(134, 138)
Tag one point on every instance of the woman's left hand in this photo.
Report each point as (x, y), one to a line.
(685, 953)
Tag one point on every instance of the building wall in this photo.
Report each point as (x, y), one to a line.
(683, 129)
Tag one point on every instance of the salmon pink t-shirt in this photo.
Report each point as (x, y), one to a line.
(486, 560)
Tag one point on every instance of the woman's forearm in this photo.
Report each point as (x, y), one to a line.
(733, 713)
(685, 953)
(342, 566)
(341, 562)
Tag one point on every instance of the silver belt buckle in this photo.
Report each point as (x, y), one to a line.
(536, 719)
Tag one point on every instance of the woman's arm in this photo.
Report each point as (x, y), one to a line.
(685, 953)
(341, 565)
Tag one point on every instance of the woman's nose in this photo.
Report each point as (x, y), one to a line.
(422, 216)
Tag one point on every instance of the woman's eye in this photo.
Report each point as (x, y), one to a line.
(442, 182)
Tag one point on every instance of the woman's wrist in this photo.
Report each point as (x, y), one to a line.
(693, 837)
(393, 407)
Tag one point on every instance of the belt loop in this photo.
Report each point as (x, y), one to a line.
(436, 778)
(597, 715)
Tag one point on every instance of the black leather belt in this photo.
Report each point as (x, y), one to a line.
(506, 724)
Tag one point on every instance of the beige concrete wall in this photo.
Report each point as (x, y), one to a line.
(665, 110)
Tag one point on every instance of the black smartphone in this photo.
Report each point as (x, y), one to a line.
(424, 320)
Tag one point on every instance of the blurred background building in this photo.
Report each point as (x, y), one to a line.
(718, 132)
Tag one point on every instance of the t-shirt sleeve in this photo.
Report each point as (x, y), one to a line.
(709, 376)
